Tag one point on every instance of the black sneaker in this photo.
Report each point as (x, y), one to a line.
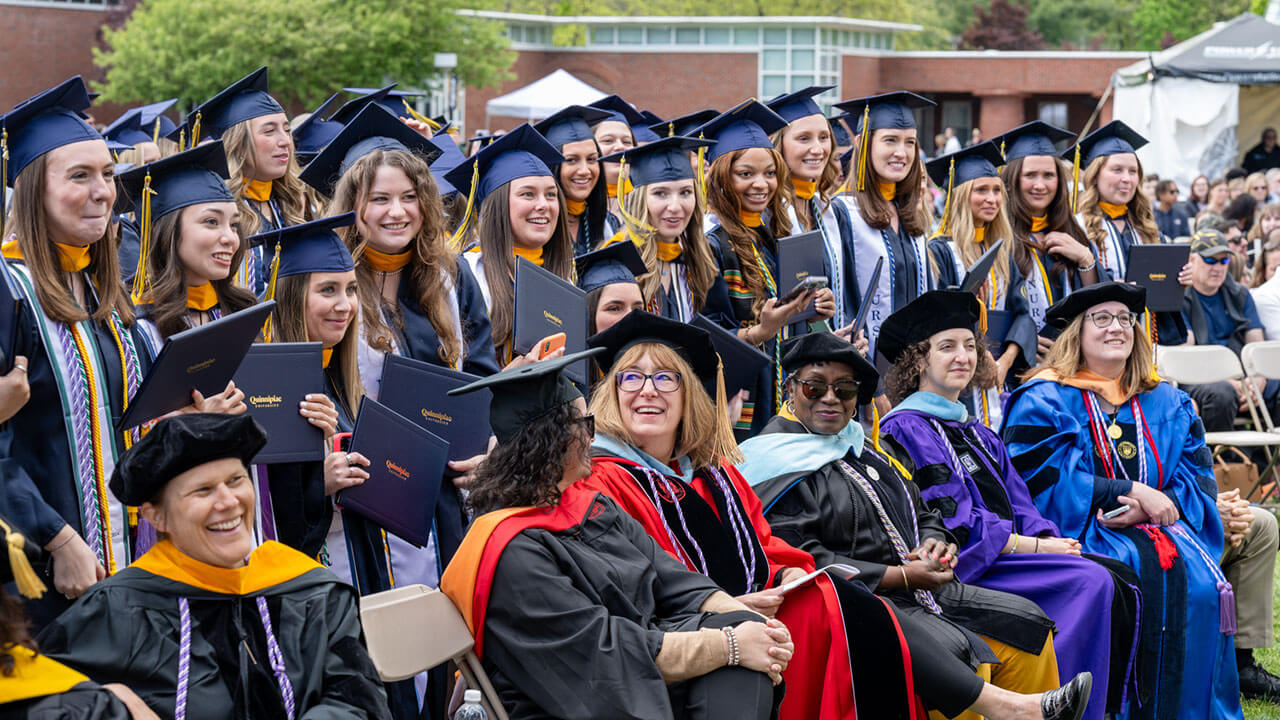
(1258, 684)
(1068, 702)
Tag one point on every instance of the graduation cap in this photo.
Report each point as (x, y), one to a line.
(1114, 138)
(1061, 313)
(145, 123)
(179, 443)
(839, 133)
(748, 125)
(153, 117)
(951, 171)
(315, 132)
(373, 128)
(616, 263)
(814, 347)
(685, 124)
(245, 99)
(45, 122)
(450, 157)
(126, 131)
(307, 248)
(16, 564)
(523, 152)
(484, 141)
(1033, 139)
(886, 111)
(651, 117)
(624, 112)
(395, 101)
(570, 124)
(522, 395)
(793, 106)
(926, 316)
(664, 160)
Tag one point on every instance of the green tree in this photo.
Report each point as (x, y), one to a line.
(190, 49)
(1180, 18)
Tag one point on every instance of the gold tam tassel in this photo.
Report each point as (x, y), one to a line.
(29, 583)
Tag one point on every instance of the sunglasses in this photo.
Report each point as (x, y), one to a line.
(845, 390)
(588, 423)
(1224, 260)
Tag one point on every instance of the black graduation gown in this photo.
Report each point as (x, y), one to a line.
(86, 701)
(576, 618)
(126, 629)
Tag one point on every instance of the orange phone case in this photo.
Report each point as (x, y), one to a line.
(550, 344)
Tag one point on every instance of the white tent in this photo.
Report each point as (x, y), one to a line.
(1204, 101)
(541, 98)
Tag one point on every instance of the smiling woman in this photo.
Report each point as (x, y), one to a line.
(180, 627)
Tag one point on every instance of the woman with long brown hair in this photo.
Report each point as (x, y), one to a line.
(973, 221)
(1049, 248)
(254, 130)
(886, 181)
(581, 176)
(745, 191)
(514, 209)
(807, 145)
(85, 359)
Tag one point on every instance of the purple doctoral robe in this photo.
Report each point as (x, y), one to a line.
(964, 473)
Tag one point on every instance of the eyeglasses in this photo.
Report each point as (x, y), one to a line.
(588, 423)
(1224, 260)
(1102, 319)
(664, 381)
(817, 389)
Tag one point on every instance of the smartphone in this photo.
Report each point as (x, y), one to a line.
(550, 344)
(809, 284)
(342, 442)
(1112, 514)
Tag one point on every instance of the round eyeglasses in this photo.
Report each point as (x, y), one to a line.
(664, 381)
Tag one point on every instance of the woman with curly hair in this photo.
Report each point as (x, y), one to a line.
(1116, 459)
(576, 611)
(746, 191)
(965, 475)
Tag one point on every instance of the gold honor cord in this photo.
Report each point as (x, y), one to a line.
(144, 245)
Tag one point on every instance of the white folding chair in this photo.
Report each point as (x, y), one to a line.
(1262, 360)
(1204, 364)
(412, 629)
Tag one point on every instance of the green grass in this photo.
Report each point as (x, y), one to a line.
(1270, 659)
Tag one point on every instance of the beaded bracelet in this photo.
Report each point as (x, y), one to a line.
(734, 656)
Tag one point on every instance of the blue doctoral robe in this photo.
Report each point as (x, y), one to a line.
(1186, 666)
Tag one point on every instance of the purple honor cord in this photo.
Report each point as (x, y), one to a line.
(184, 659)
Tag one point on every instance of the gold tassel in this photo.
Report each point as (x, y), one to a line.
(419, 116)
(182, 140)
(1075, 181)
(624, 188)
(456, 241)
(671, 129)
(863, 144)
(195, 130)
(144, 241)
(946, 206)
(155, 133)
(271, 290)
(702, 168)
(982, 318)
(875, 442)
(726, 447)
(29, 583)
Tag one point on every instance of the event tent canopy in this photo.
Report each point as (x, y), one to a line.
(1243, 51)
(544, 97)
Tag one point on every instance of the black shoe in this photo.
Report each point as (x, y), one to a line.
(1258, 684)
(1068, 702)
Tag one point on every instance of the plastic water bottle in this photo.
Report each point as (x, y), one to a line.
(471, 708)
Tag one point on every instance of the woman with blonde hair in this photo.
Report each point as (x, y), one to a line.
(254, 130)
(973, 221)
(1111, 208)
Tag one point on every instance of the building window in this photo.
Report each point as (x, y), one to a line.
(630, 36)
(775, 36)
(1054, 113)
(958, 115)
(688, 36)
(602, 35)
(746, 36)
(659, 36)
(718, 36)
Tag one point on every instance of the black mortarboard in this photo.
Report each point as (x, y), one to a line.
(815, 347)
(748, 125)
(523, 152)
(179, 443)
(971, 163)
(685, 124)
(310, 247)
(45, 122)
(245, 99)
(315, 132)
(924, 317)
(450, 157)
(839, 133)
(636, 327)
(664, 160)
(1033, 139)
(198, 175)
(570, 124)
(793, 106)
(522, 395)
(1061, 313)
(396, 101)
(1114, 138)
(624, 112)
(373, 128)
(616, 263)
(886, 111)
(16, 562)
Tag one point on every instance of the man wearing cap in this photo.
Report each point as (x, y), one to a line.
(1219, 311)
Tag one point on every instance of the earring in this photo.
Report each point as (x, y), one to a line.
(790, 408)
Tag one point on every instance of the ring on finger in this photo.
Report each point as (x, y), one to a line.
(348, 459)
